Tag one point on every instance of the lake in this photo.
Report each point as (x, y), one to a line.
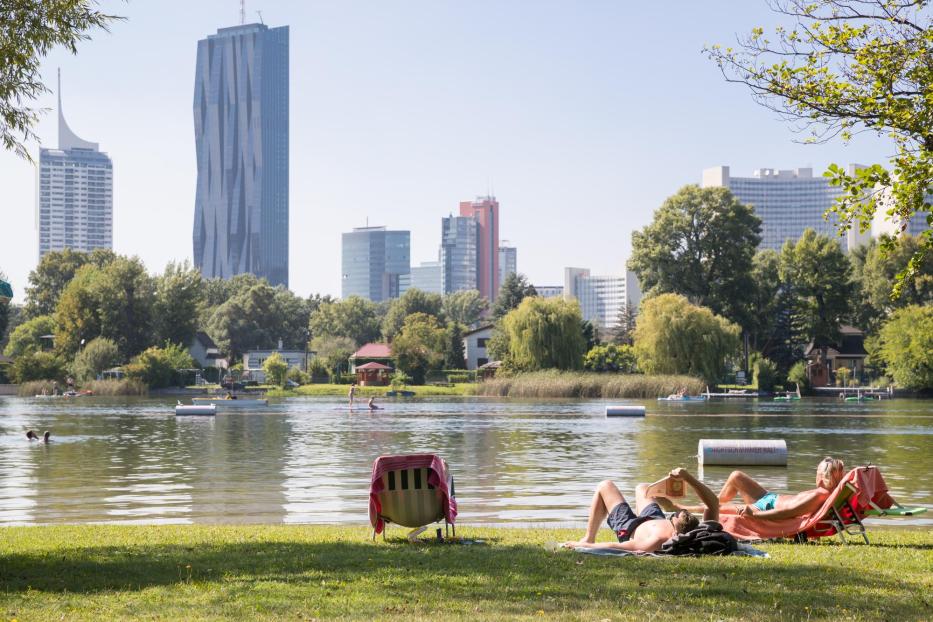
(308, 460)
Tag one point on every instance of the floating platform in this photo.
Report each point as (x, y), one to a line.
(195, 409)
(742, 452)
(625, 410)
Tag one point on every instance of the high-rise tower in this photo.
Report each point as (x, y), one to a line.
(241, 138)
(485, 210)
(75, 204)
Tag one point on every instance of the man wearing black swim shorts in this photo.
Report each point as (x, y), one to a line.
(646, 528)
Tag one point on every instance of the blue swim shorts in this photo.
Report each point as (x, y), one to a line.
(767, 502)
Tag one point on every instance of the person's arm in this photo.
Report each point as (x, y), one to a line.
(801, 505)
(628, 545)
(707, 496)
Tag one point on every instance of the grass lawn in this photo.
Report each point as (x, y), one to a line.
(304, 572)
(324, 390)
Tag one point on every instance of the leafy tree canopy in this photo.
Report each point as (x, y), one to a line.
(355, 318)
(700, 244)
(27, 337)
(610, 357)
(419, 346)
(98, 355)
(541, 333)
(276, 369)
(412, 301)
(179, 297)
(846, 66)
(674, 336)
(52, 275)
(157, 366)
(905, 347)
(514, 289)
(334, 352)
(875, 276)
(464, 307)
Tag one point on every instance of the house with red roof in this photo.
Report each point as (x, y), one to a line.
(372, 364)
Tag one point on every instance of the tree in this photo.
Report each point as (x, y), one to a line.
(52, 275)
(29, 30)
(335, 352)
(700, 244)
(541, 333)
(623, 333)
(464, 307)
(115, 301)
(412, 301)
(514, 289)
(276, 369)
(38, 366)
(818, 276)
(453, 352)
(27, 337)
(847, 67)
(905, 347)
(157, 367)
(610, 357)
(590, 335)
(4, 311)
(355, 318)
(875, 273)
(98, 355)
(419, 346)
(674, 336)
(179, 296)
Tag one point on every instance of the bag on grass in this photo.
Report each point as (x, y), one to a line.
(707, 539)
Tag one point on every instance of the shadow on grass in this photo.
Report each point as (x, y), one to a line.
(507, 578)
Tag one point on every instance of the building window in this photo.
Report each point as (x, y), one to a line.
(481, 342)
(481, 361)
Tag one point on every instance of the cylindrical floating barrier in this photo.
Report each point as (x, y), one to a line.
(626, 410)
(742, 452)
(197, 409)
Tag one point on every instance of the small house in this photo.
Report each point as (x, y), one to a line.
(205, 352)
(372, 374)
(474, 346)
(254, 359)
(372, 353)
(848, 351)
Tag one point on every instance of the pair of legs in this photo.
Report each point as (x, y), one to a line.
(606, 497)
(738, 483)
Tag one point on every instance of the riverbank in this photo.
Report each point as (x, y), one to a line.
(340, 390)
(555, 383)
(102, 572)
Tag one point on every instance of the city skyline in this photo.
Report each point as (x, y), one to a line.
(587, 144)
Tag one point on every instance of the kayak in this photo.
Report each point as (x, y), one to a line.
(683, 398)
(786, 398)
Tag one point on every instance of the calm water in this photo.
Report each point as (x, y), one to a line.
(308, 460)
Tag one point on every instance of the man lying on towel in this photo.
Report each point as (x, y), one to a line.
(647, 528)
(758, 502)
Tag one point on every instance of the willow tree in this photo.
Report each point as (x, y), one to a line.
(843, 67)
(541, 333)
(674, 336)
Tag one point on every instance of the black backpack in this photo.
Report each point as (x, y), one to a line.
(707, 539)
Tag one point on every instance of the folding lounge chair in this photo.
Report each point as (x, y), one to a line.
(840, 518)
(411, 491)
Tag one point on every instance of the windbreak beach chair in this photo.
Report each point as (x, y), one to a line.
(412, 491)
(861, 492)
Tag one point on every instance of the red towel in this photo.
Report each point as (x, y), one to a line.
(866, 480)
(438, 477)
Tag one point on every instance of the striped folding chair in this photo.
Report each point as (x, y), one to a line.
(406, 497)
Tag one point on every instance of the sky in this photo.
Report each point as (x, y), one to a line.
(581, 116)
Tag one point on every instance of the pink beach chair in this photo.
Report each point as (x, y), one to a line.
(412, 491)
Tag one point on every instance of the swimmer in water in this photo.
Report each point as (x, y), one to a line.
(45, 437)
(372, 404)
(31, 435)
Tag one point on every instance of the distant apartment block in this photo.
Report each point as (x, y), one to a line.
(787, 201)
(428, 277)
(459, 243)
(602, 298)
(373, 261)
(241, 139)
(882, 224)
(485, 211)
(550, 291)
(508, 261)
(75, 193)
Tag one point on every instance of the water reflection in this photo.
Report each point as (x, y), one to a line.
(308, 461)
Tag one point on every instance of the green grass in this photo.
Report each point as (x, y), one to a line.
(99, 572)
(555, 383)
(324, 390)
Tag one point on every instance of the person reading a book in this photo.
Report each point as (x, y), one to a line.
(758, 502)
(646, 528)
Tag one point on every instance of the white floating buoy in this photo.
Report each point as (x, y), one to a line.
(625, 411)
(742, 452)
(197, 409)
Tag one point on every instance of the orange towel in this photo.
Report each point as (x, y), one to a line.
(866, 480)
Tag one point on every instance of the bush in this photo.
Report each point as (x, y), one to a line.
(610, 357)
(99, 354)
(399, 380)
(904, 345)
(276, 369)
(156, 367)
(842, 376)
(798, 375)
(318, 370)
(38, 366)
(764, 372)
(296, 375)
(459, 378)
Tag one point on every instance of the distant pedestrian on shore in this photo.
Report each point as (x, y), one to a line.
(352, 393)
(31, 435)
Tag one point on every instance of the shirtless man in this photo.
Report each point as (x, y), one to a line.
(647, 530)
(758, 502)
(352, 393)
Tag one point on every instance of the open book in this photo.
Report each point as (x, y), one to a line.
(667, 487)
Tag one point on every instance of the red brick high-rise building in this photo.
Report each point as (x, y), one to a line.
(485, 210)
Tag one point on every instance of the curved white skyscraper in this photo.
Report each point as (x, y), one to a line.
(241, 137)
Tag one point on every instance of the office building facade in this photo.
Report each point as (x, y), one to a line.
(787, 201)
(485, 211)
(550, 291)
(241, 138)
(373, 260)
(508, 261)
(427, 276)
(75, 193)
(602, 298)
(458, 256)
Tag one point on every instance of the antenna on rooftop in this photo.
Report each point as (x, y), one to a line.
(259, 13)
(242, 12)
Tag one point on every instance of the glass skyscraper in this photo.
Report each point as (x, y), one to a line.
(787, 201)
(374, 259)
(601, 298)
(241, 139)
(75, 193)
(459, 242)
(508, 261)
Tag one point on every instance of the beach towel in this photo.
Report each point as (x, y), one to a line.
(438, 477)
(870, 489)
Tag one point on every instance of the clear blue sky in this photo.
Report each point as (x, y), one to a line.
(582, 116)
